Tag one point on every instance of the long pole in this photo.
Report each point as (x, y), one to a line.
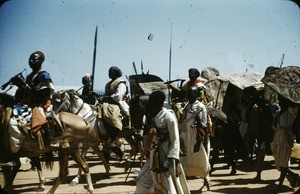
(94, 58)
(170, 66)
(281, 61)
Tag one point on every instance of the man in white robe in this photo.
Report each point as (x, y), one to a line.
(162, 171)
(196, 139)
(284, 139)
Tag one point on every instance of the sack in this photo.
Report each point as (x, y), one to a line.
(38, 119)
(124, 108)
(295, 151)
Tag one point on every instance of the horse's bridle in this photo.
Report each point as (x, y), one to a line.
(80, 108)
(68, 110)
(60, 107)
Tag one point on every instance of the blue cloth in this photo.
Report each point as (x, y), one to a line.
(19, 109)
(42, 77)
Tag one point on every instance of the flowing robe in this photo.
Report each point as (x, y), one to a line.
(195, 163)
(165, 182)
(283, 135)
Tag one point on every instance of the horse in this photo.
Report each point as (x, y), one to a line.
(70, 101)
(75, 130)
(7, 100)
(70, 131)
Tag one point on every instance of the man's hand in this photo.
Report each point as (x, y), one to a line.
(168, 163)
(104, 98)
(18, 81)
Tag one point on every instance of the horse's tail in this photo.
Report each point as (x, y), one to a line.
(48, 158)
(4, 143)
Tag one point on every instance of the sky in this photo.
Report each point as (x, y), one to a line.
(230, 35)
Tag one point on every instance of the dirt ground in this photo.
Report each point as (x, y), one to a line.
(220, 180)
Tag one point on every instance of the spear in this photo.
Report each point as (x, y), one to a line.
(281, 61)
(170, 66)
(94, 57)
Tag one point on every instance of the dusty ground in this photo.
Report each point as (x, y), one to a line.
(221, 181)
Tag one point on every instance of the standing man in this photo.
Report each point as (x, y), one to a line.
(284, 139)
(162, 171)
(196, 138)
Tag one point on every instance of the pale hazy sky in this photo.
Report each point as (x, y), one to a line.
(231, 35)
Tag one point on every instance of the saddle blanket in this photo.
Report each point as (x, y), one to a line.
(19, 125)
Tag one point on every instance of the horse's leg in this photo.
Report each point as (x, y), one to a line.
(10, 173)
(101, 156)
(7, 178)
(35, 161)
(142, 151)
(63, 169)
(75, 181)
(133, 144)
(85, 167)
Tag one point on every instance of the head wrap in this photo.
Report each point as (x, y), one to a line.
(117, 72)
(41, 54)
(87, 78)
(271, 69)
(194, 71)
(36, 59)
(157, 97)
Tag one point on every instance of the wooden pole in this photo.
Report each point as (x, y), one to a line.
(170, 68)
(94, 58)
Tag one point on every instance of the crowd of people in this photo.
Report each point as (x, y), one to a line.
(180, 136)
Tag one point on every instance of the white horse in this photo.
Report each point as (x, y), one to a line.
(70, 101)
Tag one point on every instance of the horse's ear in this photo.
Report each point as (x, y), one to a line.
(63, 94)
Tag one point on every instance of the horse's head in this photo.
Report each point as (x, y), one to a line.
(66, 100)
(60, 101)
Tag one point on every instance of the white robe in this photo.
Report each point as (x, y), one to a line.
(280, 147)
(148, 180)
(195, 164)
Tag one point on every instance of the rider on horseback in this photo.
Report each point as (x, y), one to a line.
(41, 92)
(194, 80)
(88, 95)
(115, 108)
(37, 93)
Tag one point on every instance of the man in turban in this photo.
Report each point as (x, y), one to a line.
(115, 108)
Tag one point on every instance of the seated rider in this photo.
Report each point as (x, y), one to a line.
(181, 93)
(114, 107)
(87, 91)
(40, 93)
(194, 80)
(32, 104)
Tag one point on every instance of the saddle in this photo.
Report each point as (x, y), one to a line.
(38, 120)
